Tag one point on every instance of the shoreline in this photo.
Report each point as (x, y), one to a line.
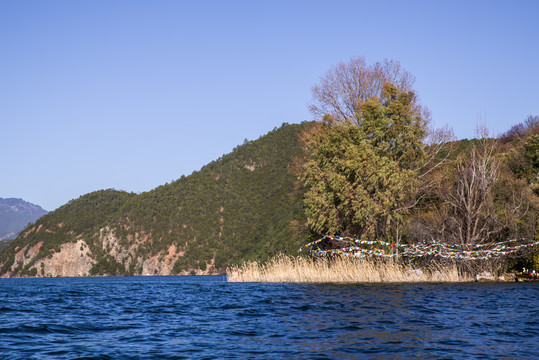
(346, 270)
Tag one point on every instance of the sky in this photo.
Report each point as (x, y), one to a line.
(130, 95)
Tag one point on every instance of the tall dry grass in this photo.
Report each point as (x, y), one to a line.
(340, 270)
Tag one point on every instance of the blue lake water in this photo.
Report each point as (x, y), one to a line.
(204, 317)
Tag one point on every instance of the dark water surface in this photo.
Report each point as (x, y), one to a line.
(206, 318)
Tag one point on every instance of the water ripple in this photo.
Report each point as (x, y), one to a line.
(206, 318)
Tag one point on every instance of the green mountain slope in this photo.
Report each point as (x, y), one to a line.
(80, 217)
(242, 206)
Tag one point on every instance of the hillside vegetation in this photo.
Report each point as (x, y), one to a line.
(243, 206)
(248, 206)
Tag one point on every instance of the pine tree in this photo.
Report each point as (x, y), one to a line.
(362, 175)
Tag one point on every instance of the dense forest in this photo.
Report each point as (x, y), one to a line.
(370, 168)
(241, 206)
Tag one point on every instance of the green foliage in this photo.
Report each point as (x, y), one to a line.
(360, 177)
(248, 205)
(523, 154)
(107, 266)
(4, 243)
(531, 150)
(79, 217)
(239, 207)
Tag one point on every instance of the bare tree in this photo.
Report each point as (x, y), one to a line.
(472, 219)
(347, 85)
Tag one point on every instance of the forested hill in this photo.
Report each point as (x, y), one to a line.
(240, 207)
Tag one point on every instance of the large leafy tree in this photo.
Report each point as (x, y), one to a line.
(362, 174)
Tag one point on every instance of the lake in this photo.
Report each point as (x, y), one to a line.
(204, 317)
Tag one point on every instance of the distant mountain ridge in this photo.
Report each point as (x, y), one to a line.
(15, 214)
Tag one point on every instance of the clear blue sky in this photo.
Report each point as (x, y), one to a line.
(133, 94)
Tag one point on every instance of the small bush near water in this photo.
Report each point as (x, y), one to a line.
(343, 270)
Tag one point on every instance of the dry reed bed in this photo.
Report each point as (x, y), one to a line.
(340, 270)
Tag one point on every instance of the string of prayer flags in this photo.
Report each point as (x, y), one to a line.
(375, 248)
